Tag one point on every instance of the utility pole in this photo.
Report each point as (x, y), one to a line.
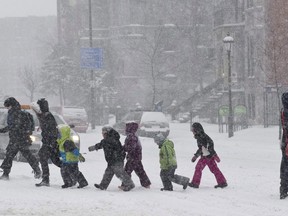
(92, 80)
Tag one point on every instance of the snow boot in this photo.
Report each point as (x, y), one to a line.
(283, 195)
(166, 189)
(193, 185)
(5, 176)
(44, 182)
(223, 185)
(37, 173)
(99, 187)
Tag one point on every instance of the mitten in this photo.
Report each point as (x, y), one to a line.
(81, 158)
(92, 148)
(194, 158)
(216, 158)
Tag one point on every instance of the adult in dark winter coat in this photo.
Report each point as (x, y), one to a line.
(133, 148)
(19, 139)
(168, 164)
(49, 132)
(284, 148)
(114, 155)
(208, 157)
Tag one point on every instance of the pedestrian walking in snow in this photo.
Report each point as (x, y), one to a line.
(49, 133)
(284, 148)
(168, 164)
(114, 155)
(70, 157)
(19, 138)
(208, 157)
(133, 148)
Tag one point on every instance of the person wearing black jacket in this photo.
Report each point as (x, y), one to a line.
(114, 155)
(284, 148)
(49, 132)
(19, 139)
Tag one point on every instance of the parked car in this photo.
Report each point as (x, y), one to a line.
(150, 123)
(35, 137)
(76, 116)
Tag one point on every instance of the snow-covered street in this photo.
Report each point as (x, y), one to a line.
(250, 161)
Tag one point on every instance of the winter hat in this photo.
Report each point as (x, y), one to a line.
(197, 127)
(159, 138)
(43, 104)
(11, 101)
(131, 127)
(35, 107)
(106, 129)
(285, 100)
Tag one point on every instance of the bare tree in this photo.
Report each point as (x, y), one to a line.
(31, 81)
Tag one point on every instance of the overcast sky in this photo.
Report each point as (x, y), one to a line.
(23, 8)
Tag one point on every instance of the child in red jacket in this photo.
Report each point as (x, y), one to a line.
(208, 157)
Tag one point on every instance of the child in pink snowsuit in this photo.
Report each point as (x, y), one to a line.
(208, 157)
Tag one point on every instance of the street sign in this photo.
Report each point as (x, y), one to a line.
(91, 58)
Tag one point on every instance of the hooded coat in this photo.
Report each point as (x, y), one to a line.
(111, 145)
(48, 124)
(167, 155)
(284, 119)
(68, 150)
(132, 143)
(204, 142)
(16, 125)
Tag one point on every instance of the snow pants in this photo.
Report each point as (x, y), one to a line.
(201, 164)
(120, 173)
(137, 167)
(12, 150)
(45, 153)
(168, 176)
(70, 174)
(284, 175)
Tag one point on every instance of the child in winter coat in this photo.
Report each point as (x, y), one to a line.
(133, 148)
(70, 157)
(208, 157)
(284, 148)
(114, 155)
(168, 164)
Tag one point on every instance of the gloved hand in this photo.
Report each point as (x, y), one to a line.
(216, 158)
(92, 148)
(194, 158)
(81, 158)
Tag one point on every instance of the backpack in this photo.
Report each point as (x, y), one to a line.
(28, 121)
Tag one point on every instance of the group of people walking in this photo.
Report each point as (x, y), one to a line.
(58, 146)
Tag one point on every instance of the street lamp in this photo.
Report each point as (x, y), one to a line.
(228, 40)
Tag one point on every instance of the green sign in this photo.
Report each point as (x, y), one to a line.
(224, 111)
(240, 110)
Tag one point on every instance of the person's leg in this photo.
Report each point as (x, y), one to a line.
(76, 174)
(165, 176)
(181, 180)
(107, 177)
(283, 178)
(221, 181)
(32, 160)
(140, 172)
(44, 154)
(6, 165)
(198, 172)
(118, 170)
(66, 175)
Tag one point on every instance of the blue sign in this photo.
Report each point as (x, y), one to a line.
(91, 58)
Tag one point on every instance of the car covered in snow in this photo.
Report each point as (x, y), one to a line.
(150, 123)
